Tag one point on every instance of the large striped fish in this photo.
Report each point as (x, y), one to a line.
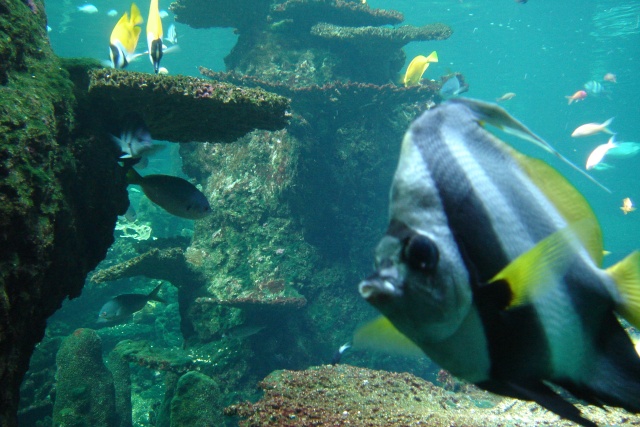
(491, 265)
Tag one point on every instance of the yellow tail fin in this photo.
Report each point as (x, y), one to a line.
(626, 274)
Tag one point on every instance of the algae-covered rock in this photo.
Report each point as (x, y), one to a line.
(186, 109)
(197, 401)
(59, 196)
(119, 367)
(85, 393)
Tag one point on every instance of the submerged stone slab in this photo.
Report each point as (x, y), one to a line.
(187, 109)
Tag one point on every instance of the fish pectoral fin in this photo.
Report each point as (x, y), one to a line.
(533, 272)
(380, 334)
(626, 275)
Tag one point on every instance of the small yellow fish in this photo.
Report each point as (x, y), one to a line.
(417, 67)
(627, 206)
(507, 96)
(124, 38)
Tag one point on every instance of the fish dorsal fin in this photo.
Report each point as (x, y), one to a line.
(567, 200)
(136, 16)
(380, 334)
(533, 272)
(626, 275)
(498, 117)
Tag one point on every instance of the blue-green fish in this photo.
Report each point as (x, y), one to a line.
(491, 265)
(175, 195)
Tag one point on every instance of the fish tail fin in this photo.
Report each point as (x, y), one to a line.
(626, 275)
(569, 99)
(433, 57)
(605, 126)
(136, 17)
(153, 296)
(133, 177)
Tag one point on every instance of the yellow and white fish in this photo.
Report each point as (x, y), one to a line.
(124, 38)
(592, 129)
(491, 265)
(627, 206)
(154, 35)
(417, 67)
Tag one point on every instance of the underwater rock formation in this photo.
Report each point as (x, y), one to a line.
(121, 372)
(59, 196)
(85, 393)
(197, 401)
(186, 109)
(347, 395)
(330, 39)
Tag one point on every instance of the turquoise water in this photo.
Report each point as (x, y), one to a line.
(542, 51)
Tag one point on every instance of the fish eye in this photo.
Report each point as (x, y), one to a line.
(421, 253)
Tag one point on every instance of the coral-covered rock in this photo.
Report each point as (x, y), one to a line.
(197, 401)
(241, 14)
(119, 367)
(346, 395)
(59, 195)
(85, 393)
(186, 109)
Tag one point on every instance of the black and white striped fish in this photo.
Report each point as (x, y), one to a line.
(491, 265)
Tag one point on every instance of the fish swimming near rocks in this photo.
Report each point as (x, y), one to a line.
(491, 264)
(123, 306)
(136, 142)
(173, 194)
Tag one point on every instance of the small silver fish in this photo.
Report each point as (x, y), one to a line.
(172, 35)
(88, 8)
(135, 143)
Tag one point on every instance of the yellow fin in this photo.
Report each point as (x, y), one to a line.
(380, 334)
(417, 67)
(573, 207)
(626, 275)
(533, 272)
(154, 23)
(126, 31)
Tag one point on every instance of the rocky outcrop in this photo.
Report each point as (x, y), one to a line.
(59, 195)
(85, 394)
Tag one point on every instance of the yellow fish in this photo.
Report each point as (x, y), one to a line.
(417, 67)
(154, 35)
(124, 38)
(627, 206)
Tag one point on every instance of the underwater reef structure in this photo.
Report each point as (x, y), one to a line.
(347, 395)
(299, 41)
(85, 392)
(187, 109)
(59, 196)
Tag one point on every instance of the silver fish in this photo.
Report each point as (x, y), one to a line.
(134, 143)
(491, 265)
(172, 35)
